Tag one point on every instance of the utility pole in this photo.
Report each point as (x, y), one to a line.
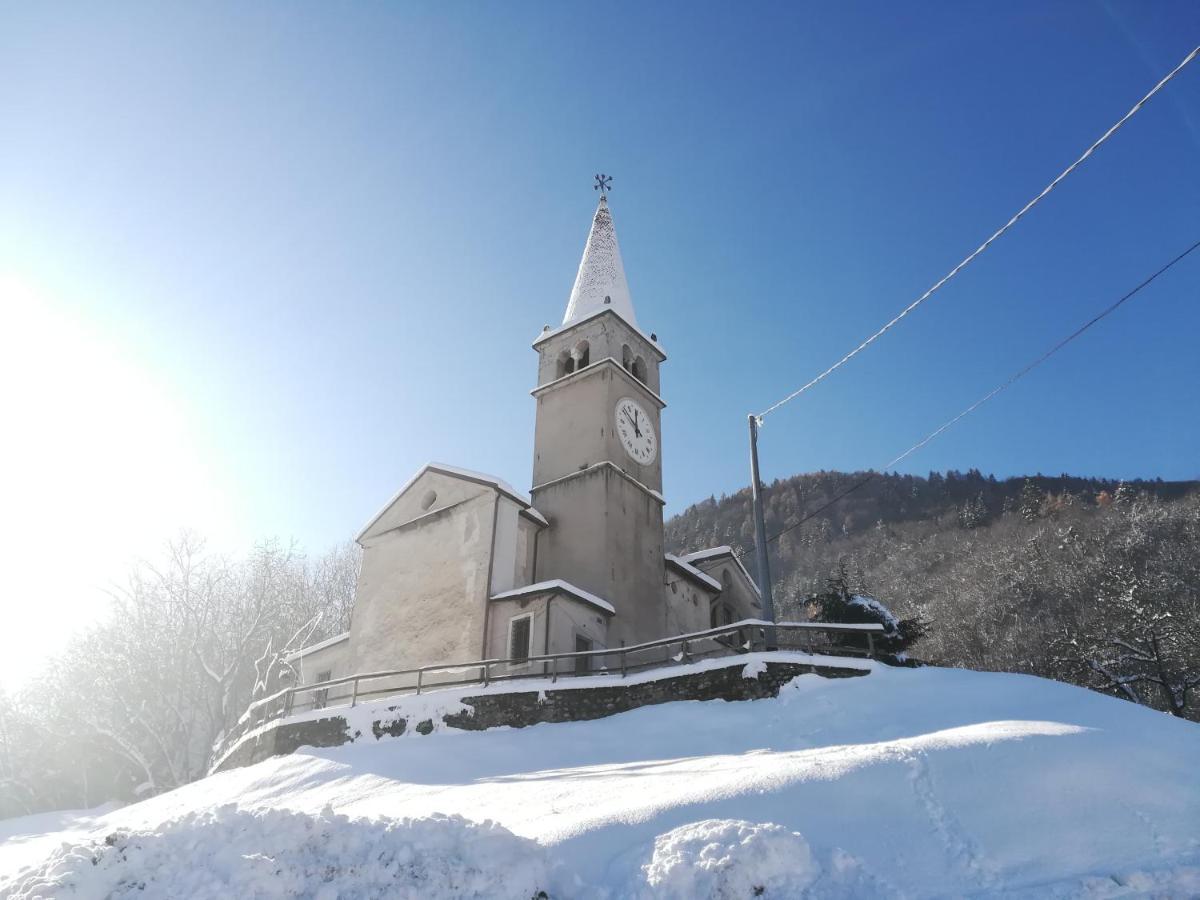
(760, 536)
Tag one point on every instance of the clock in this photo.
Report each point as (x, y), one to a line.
(636, 431)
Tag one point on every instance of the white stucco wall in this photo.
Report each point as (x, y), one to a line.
(333, 659)
(575, 426)
(606, 537)
(511, 563)
(686, 604)
(423, 586)
(568, 617)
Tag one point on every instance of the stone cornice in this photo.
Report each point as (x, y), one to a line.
(591, 369)
(563, 329)
(595, 467)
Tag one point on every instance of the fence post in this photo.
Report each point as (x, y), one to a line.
(483, 670)
(622, 662)
(420, 672)
(354, 695)
(870, 645)
(289, 700)
(683, 652)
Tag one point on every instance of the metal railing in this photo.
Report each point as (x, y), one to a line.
(748, 635)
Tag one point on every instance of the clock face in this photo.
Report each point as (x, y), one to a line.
(636, 431)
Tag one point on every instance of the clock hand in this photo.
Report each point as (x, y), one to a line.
(635, 424)
(632, 421)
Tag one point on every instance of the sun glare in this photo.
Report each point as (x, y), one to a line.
(99, 465)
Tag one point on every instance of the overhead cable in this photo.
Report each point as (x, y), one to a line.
(1016, 376)
(978, 250)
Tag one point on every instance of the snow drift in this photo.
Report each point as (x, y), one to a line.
(924, 782)
(229, 852)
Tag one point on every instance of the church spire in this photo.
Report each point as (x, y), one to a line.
(600, 283)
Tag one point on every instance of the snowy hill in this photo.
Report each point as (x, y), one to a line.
(927, 782)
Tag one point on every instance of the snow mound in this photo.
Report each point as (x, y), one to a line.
(903, 783)
(754, 669)
(229, 852)
(729, 858)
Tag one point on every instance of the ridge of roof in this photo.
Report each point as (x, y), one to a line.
(723, 550)
(695, 573)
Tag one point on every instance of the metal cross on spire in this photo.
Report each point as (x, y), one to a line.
(603, 184)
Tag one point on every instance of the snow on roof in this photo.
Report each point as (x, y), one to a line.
(600, 282)
(320, 645)
(723, 550)
(715, 552)
(456, 472)
(557, 584)
(693, 572)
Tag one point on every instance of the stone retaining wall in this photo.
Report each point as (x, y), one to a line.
(519, 708)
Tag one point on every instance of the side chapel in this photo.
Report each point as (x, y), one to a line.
(459, 566)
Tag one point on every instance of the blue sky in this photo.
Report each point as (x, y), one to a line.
(262, 261)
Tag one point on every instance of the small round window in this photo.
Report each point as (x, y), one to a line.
(429, 499)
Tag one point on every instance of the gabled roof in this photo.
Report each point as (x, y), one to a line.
(320, 645)
(711, 553)
(692, 572)
(560, 586)
(600, 282)
(491, 481)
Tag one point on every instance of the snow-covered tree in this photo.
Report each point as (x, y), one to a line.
(841, 604)
(135, 704)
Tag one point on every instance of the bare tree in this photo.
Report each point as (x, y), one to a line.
(136, 704)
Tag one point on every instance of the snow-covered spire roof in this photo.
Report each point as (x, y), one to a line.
(600, 283)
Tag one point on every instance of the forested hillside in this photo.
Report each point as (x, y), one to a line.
(1090, 581)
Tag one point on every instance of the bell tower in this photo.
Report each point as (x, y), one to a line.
(597, 462)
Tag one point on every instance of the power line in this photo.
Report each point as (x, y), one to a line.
(1020, 373)
(978, 250)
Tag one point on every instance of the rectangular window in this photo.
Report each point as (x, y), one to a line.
(320, 698)
(583, 664)
(519, 632)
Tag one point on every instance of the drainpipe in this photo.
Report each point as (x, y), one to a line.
(487, 588)
(537, 534)
(546, 637)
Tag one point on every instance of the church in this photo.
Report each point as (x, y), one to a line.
(459, 566)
